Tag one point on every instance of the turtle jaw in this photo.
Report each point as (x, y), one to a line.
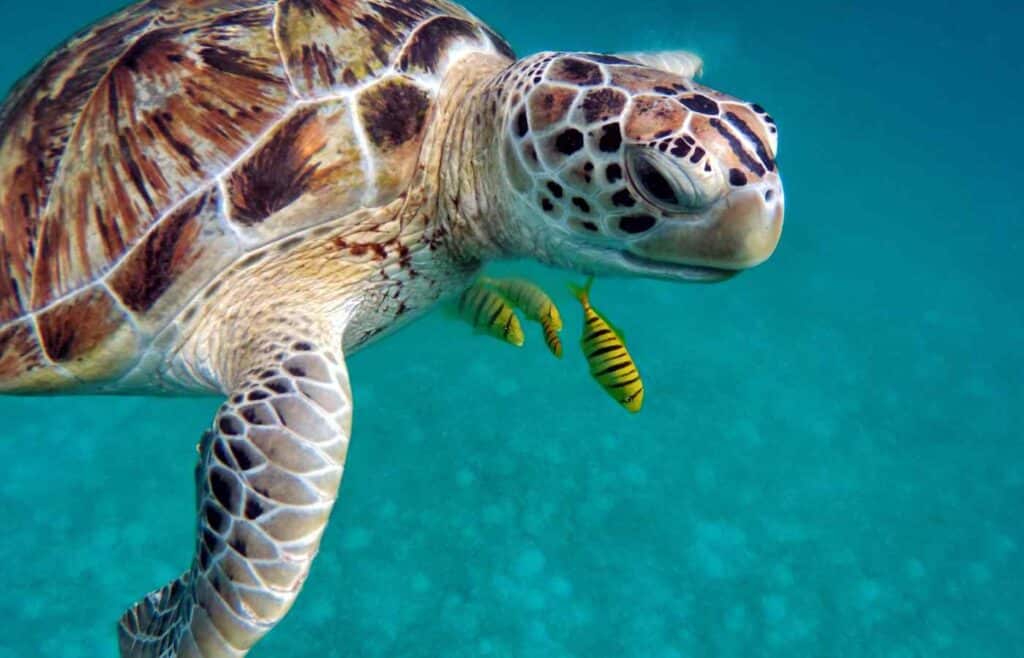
(654, 269)
(738, 233)
(594, 259)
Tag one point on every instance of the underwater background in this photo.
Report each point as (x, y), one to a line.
(829, 462)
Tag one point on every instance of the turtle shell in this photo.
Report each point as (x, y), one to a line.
(154, 149)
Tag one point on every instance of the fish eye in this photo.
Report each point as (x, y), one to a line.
(663, 184)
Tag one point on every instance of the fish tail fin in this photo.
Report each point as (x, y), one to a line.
(582, 293)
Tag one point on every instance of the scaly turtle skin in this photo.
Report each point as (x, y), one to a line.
(229, 196)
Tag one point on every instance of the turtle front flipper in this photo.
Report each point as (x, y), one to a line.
(267, 477)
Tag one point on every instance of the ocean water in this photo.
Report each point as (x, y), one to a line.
(829, 463)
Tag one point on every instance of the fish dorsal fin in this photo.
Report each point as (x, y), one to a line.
(680, 62)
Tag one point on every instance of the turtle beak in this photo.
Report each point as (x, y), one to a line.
(739, 232)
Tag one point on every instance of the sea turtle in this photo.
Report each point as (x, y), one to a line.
(229, 196)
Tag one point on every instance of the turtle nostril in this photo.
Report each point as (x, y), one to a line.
(769, 195)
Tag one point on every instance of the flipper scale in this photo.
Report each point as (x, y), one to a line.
(268, 475)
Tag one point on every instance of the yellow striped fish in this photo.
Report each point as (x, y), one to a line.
(610, 362)
(488, 311)
(529, 298)
(554, 343)
(535, 304)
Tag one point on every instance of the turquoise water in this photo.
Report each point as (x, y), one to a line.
(829, 461)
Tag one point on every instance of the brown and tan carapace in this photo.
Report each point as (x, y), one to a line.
(230, 196)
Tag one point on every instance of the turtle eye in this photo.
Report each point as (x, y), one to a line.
(652, 183)
(662, 184)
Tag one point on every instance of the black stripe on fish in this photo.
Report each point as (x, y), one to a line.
(615, 368)
(494, 318)
(481, 306)
(603, 350)
(508, 323)
(630, 398)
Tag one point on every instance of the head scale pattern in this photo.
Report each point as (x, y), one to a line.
(610, 150)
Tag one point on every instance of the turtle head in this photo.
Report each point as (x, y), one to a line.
(622, 168)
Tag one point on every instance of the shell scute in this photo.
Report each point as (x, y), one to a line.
(175, 259)
(305, 172)
(35, 125)
(431, 40)
(393, 114)
(175, 110)
(11, 305)
(171, 12)
(330, 45)
(23, 365)
(156, 148)
(87, 332)
(334, 45)
(280, 170)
